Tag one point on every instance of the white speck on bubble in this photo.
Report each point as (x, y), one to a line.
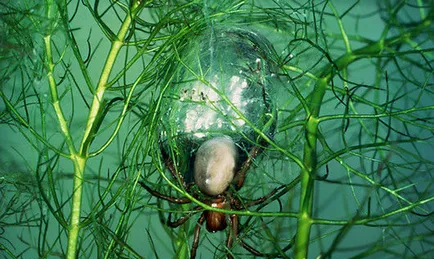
(234, 82)
(189, 120)
(219, 123)
(199, 135)
(244, 84)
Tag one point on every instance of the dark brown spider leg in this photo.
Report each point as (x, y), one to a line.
(229, 243)
(236, 204)
(181, 220)
(252, 250)
(169, 164)
(241, 175)
(255, 252)
(264, 198)
(196, 236)
(233, 232)
(163, 196)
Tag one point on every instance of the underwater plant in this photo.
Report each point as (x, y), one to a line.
(324, 110)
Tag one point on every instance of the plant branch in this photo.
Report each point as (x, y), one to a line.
(79, 160)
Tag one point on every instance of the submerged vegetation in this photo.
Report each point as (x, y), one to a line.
(83, 87)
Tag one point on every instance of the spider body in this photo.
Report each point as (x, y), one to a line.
(221, 199)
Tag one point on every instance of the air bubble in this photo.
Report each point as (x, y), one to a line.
(234, 79)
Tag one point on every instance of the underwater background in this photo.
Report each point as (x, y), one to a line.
(339, 97)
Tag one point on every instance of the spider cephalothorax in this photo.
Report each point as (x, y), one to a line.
(215, 168)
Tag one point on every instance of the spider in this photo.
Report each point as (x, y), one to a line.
(215, 168)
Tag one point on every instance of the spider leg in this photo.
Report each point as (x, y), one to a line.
(236, 204)
(259, 254)
(233, 232)
(163, 196)
(264, 198)
(234, 235)
(252, 250)
(241, 175)
(196, 236)
(169, 164)
(181, 220)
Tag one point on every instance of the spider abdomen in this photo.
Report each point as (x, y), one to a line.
(214, 166)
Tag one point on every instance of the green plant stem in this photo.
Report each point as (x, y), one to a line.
(102, 85)
(79, 160)
(307, 181)
(55, 96)
(305, 220)
(74, 225)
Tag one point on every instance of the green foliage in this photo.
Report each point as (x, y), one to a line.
(83, 86)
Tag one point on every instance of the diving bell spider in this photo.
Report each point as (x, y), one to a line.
(215, 168)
